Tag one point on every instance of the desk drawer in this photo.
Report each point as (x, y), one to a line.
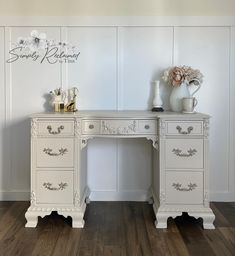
(184, 187)
(55, 152)
(55, 128)
(147, 127)
(184, 153)
(184, 128)
(90, 127)
(54, 187)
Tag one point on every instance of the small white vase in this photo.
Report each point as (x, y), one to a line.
(177, 94)
(157, 101)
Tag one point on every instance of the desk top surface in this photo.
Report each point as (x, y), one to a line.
(120, 114)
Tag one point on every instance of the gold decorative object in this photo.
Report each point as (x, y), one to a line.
(59, 96)
(71, 105)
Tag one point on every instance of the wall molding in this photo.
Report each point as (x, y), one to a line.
(222, 196)
(14, 195)
(128, 21)
(132, 195)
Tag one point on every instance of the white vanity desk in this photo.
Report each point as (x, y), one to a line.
(180, 179)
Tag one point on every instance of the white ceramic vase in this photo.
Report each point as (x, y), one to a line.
(177, 94)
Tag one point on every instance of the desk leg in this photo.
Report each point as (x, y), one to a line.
(32, 219)
(32, 215)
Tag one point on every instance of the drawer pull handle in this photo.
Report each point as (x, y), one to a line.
(146, 126)
(178, 152)
(61, 185)
(190, 128)
(49, 152)
(49, 128)
(91, 126)
(178, 186)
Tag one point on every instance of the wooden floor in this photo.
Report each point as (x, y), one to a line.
(116, 228)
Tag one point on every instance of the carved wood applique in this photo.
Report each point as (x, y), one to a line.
(109, 128)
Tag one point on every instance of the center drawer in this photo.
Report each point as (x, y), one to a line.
(54, 187)
(55, 152)
(184, 154)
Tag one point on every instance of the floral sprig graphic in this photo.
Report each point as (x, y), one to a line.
(38, 41)
(176, 75)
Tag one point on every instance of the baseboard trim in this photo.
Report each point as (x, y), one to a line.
(134, 195)
(14, 195)
(222, 196)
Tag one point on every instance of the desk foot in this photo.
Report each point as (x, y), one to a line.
(161, 221)
(32, 219)
(163, 213)
(208, 218)
(32, 215)
(78, 223)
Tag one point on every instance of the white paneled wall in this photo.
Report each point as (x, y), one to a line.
(207, 49)
(95, 71)
(115, 70)
(144, 53)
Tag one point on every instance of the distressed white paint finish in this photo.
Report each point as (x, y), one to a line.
(105, 73)
(180, 190)
(144, 54)
(208, 50)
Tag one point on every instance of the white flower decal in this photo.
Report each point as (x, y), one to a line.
(37, 41)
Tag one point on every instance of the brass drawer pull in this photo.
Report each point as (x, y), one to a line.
(49, 128)
(49, 152)
(178, 186)
(190, 128)
(178, 152)
(61, 185)
(91, 126)
(146, 126)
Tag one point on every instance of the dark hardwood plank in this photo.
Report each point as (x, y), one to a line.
(91, 241)
(131, 237)
(115, 228)
(174, 240)
(10, 216)
(228, 211)
(218, 242)
(157, 237)
(51, 229)
(68, 241)
(4, 206)
(192, 233)
(220, 220)
(10, 226)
